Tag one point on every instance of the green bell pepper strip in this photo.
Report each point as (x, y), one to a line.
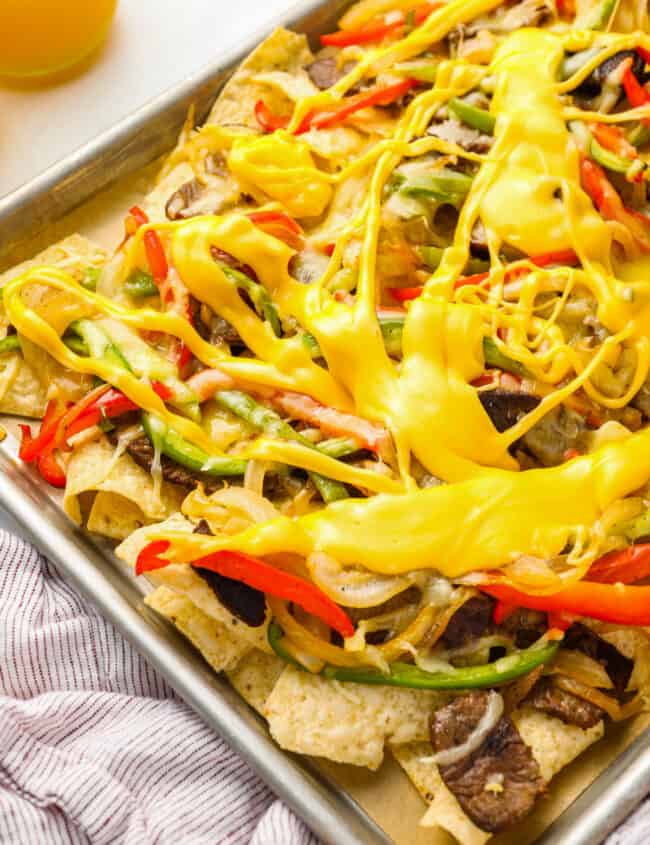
(634, 529)
(10, 343)
(639, 135)
(258, 294)
(608, 159)
(442, 185)
(274, 636)
(472, 116)
(97, 342)
(140, 285)
(266, 420)
(338, 447)
(171, 444)
(495, 358)
(422, 71)
(432, 256)
(90, 278)
(488, 675)
(600, 16)
(392, 327)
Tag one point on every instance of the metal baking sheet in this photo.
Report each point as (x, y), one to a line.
(37, 208)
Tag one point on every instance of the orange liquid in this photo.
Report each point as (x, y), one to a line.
(40, 37)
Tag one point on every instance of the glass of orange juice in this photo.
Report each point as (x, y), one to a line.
(43, 37)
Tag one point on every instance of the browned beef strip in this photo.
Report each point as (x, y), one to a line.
(505, 408)
(244, 602)
(471, 621)
(455, 132)
(618, 667)
(142, 453)
(503, 757)
(557, 431)
(548, 698)
(177, 205)
(325, 72)
(526, 626)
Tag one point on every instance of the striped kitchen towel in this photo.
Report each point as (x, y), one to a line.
(95, 748)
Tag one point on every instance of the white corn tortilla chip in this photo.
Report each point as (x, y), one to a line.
(347, 723)
(23, 389)
(554, 746)
(182, 579)
(255, 676)
(93, 468)
(220, 647)
(281, 51)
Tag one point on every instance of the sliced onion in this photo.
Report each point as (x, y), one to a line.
(484, 728)
(254, 476)
(613, 709)
(353, 587)
(229, 502)
(576, 665)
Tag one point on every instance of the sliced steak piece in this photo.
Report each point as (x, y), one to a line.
(548, 698)
(526, 626)
(176, 207)
(618, 667)
(142, 453)
(590, 87)
(471, 621)
(454, 132)
(503, 759)
(244, 602)
(549, 439)
(324, 72)
(505, 408)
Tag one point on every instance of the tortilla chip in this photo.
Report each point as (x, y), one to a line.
(444, 810)
(94, 468)
(23, 389)
(347, 723)
(255, 676)
(219, 646)
(554, 746)
(281, 51)
(182, 579)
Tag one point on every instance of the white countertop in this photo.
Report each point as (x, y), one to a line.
(153, 45)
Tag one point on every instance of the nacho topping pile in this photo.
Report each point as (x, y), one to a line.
(371, 366)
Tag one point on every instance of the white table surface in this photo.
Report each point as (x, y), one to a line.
(153, 45)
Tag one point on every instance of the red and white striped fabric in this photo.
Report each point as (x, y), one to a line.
(95, 748)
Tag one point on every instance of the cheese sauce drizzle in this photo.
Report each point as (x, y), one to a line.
(527, 194)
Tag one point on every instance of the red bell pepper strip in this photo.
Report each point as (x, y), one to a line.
(32, 447)
(268, 120)
(625, 565)
(50, 469)
(136, 218)
(563, 256)
(349, 105)
(635, 92)
(377, 30)
(279, 225)
(77, 410)
(155, 256)
(617, 603)
(106, 405)
(260, 576)
(613, 139)
(610, 205)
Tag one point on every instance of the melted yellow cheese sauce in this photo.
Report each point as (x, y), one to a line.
(527, 194)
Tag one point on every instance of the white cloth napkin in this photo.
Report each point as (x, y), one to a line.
(96, 749)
